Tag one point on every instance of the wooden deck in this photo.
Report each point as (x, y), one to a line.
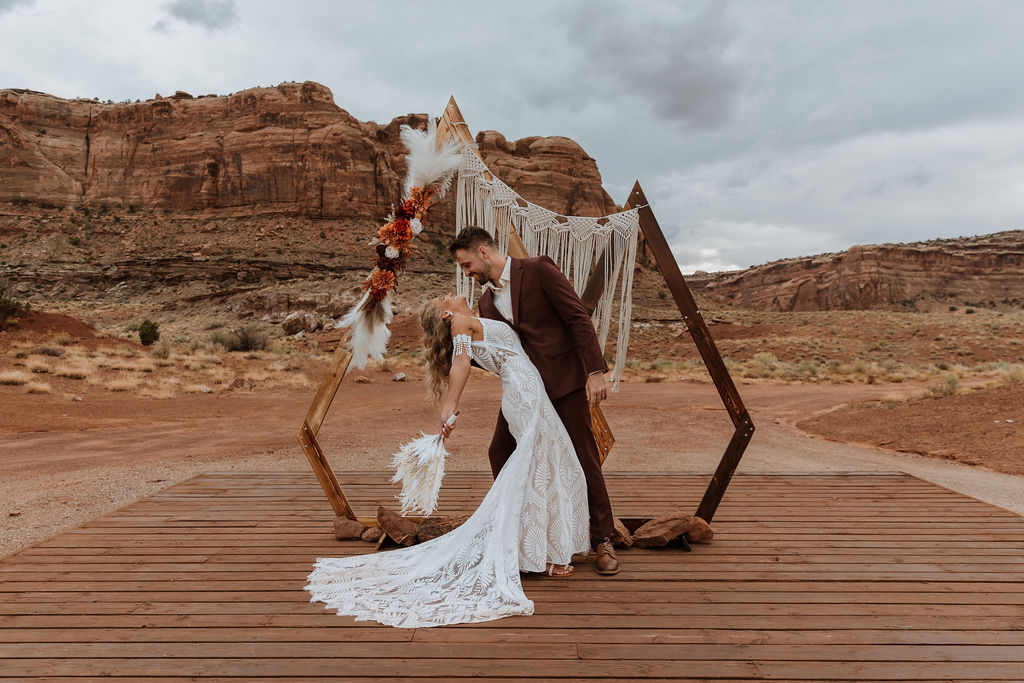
(811, 577)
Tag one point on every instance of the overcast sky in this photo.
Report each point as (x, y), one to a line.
(759, 130)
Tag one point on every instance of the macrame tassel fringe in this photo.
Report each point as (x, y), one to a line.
(575, 243)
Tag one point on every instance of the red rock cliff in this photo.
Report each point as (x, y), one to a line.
(985, 270)
(288, 149)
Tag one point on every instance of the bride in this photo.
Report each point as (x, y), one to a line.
(533, 519)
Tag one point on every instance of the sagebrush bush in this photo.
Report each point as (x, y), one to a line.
(161, 350)
(149, 332)
(945, 387)
(9, 306)
(249, 337)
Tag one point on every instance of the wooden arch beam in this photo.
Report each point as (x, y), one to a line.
(742, 424)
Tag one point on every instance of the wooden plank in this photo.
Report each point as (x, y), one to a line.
(791, 589)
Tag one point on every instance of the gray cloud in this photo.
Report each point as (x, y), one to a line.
(212, 15)
(758, 130)
(672, 58)
(8, 5)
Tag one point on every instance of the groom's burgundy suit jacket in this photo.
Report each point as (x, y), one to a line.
(553, 325)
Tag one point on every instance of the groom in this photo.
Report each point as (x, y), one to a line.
(535, 298)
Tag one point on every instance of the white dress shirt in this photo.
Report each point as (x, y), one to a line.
(503, 291)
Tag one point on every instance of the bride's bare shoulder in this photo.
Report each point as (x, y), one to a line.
(467, 324)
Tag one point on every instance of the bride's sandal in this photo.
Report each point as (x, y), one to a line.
(560, 570)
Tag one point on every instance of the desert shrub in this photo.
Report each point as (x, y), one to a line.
(64, 339)
(52, 351)
(941, 388)
(9, 306)
(161, 350)
(1013, 375)
(123, 384)
(123, 351)
(72, 371)
(14, 378)
(252, 337)
(37, 366)
(249, 337)
(149, 332)
(38, 388)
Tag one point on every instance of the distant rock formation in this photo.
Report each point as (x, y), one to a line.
(288, 149)
(984, 271)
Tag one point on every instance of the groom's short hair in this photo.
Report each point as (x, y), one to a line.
(470, 238)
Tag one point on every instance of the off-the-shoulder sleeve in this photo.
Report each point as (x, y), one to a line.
(462, 344)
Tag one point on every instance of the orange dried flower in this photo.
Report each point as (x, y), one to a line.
(380, 283)
(396, 233)
(419, 201)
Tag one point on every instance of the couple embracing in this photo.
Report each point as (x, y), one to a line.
(548, 500)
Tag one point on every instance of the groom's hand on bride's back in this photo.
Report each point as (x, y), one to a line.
(597, 388)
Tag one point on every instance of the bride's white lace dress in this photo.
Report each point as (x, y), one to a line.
(535, 513)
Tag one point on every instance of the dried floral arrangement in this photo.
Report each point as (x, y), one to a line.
(429, 170)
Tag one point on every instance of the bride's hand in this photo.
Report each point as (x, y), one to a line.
(446, 427)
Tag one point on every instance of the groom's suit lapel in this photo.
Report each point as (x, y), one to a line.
(516, 275)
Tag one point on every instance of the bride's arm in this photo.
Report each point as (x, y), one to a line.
(461, 325)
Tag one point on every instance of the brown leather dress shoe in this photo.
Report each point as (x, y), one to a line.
(607, 563)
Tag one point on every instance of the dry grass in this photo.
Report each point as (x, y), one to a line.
(15, 378)
(1010, 373)
(64, 339)
(122, 384)
(38, 365)
(124, 351)
(158, 392)
(38, 388)
(943, 387)
(75, 371)
(162, 349)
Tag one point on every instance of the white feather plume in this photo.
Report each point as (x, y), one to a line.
(368, 331)
(419, 465)
(428, 165)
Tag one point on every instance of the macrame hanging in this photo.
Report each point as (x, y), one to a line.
(575, 243)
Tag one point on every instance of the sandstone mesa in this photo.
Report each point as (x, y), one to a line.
(238, 188)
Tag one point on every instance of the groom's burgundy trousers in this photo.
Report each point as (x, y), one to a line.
(575, 414)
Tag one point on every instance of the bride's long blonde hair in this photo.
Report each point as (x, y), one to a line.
(437, 344)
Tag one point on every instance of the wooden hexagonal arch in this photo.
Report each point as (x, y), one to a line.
(452, 125)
